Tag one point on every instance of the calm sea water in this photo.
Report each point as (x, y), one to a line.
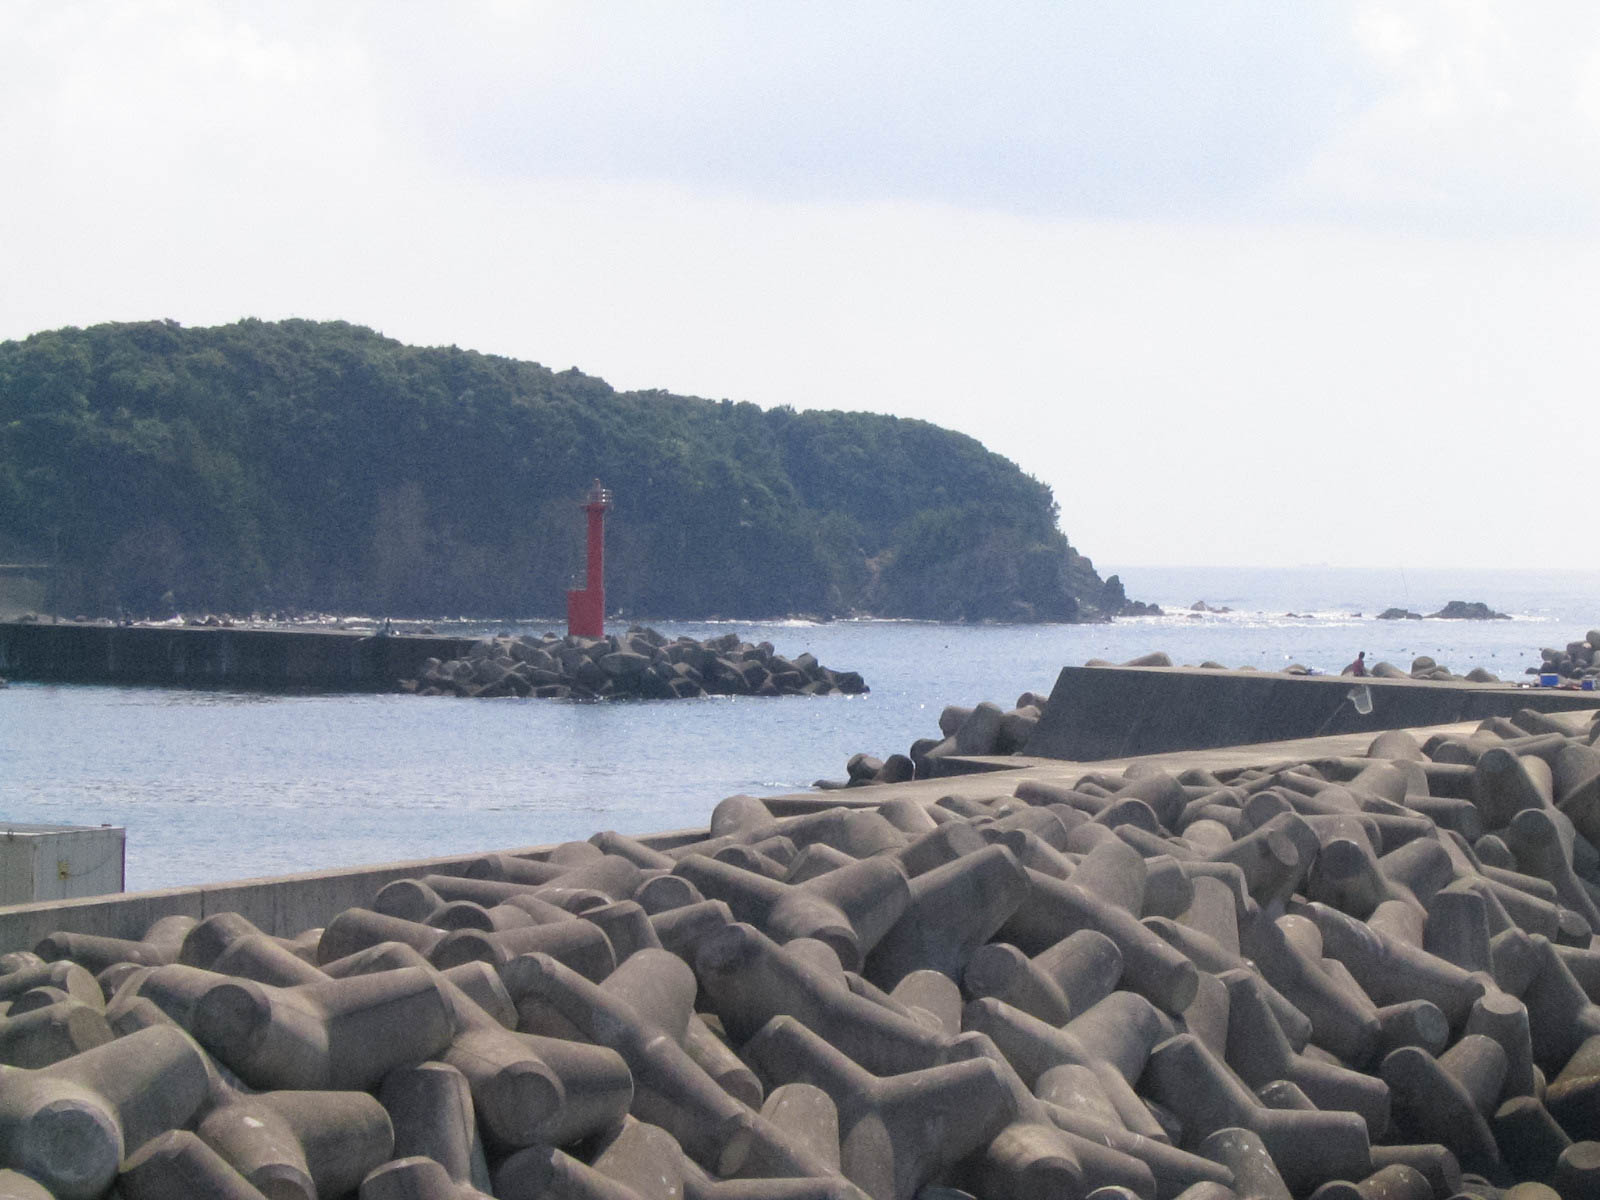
(220, 785)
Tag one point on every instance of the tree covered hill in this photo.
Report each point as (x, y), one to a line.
(299, 464)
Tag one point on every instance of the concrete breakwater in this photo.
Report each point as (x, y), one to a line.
(639, 664)
(1147, 706)
(1107, 712)
(213, 656)
(1352, 967)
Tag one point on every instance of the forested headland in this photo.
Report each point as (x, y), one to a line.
(319, 466)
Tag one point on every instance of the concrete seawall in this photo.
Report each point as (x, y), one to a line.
(192, 656)
(1112, 712)
(287, 904)
(280, 905)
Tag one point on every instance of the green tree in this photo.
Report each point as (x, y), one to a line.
(320, 465)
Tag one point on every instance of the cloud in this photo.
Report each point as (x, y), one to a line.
(1485, 121)
(184, 90)
(1394, 114)
(1097, 108)
(174, 148)
(1263, 286)
(1399, 115)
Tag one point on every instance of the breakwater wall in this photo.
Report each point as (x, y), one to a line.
(1116, 712)
(280, 905)
(286, 904)
(207, 656)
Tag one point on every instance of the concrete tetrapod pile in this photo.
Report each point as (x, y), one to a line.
(639, 664)
(1576, 660)
(985, 729)
(1367, 978)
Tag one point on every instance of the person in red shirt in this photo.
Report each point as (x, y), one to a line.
(1359, 667)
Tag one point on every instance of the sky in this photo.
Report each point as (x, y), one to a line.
(1254, 283)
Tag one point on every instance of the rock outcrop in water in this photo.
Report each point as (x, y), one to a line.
(1372, 976)
(1455, 610)
(1463, 610)
(640, 664)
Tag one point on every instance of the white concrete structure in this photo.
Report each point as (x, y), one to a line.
(59, 862)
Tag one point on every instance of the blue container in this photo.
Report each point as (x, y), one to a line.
(1549, 680)
(1587, 684)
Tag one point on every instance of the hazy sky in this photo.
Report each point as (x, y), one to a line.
(1271, 283)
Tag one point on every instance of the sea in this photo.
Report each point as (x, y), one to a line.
(215, 785)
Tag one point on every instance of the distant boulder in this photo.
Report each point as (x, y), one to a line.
(982, 731)
(1424, 666)
(1462, 610)
(897, 768)
(1156, 658)
(978, 733)
(863, 768)
(1398, 614)
(624, 664)
(1016, 727)
(1579, 660)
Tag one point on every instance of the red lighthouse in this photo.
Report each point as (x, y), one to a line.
(586, 606)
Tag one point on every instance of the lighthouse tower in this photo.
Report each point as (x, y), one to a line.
(586, 606)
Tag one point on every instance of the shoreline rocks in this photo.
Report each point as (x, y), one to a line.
(640, 664)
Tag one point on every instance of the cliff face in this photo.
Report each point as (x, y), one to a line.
(986, 572)
(321, 466)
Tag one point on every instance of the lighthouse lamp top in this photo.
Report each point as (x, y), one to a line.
(598, 496)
